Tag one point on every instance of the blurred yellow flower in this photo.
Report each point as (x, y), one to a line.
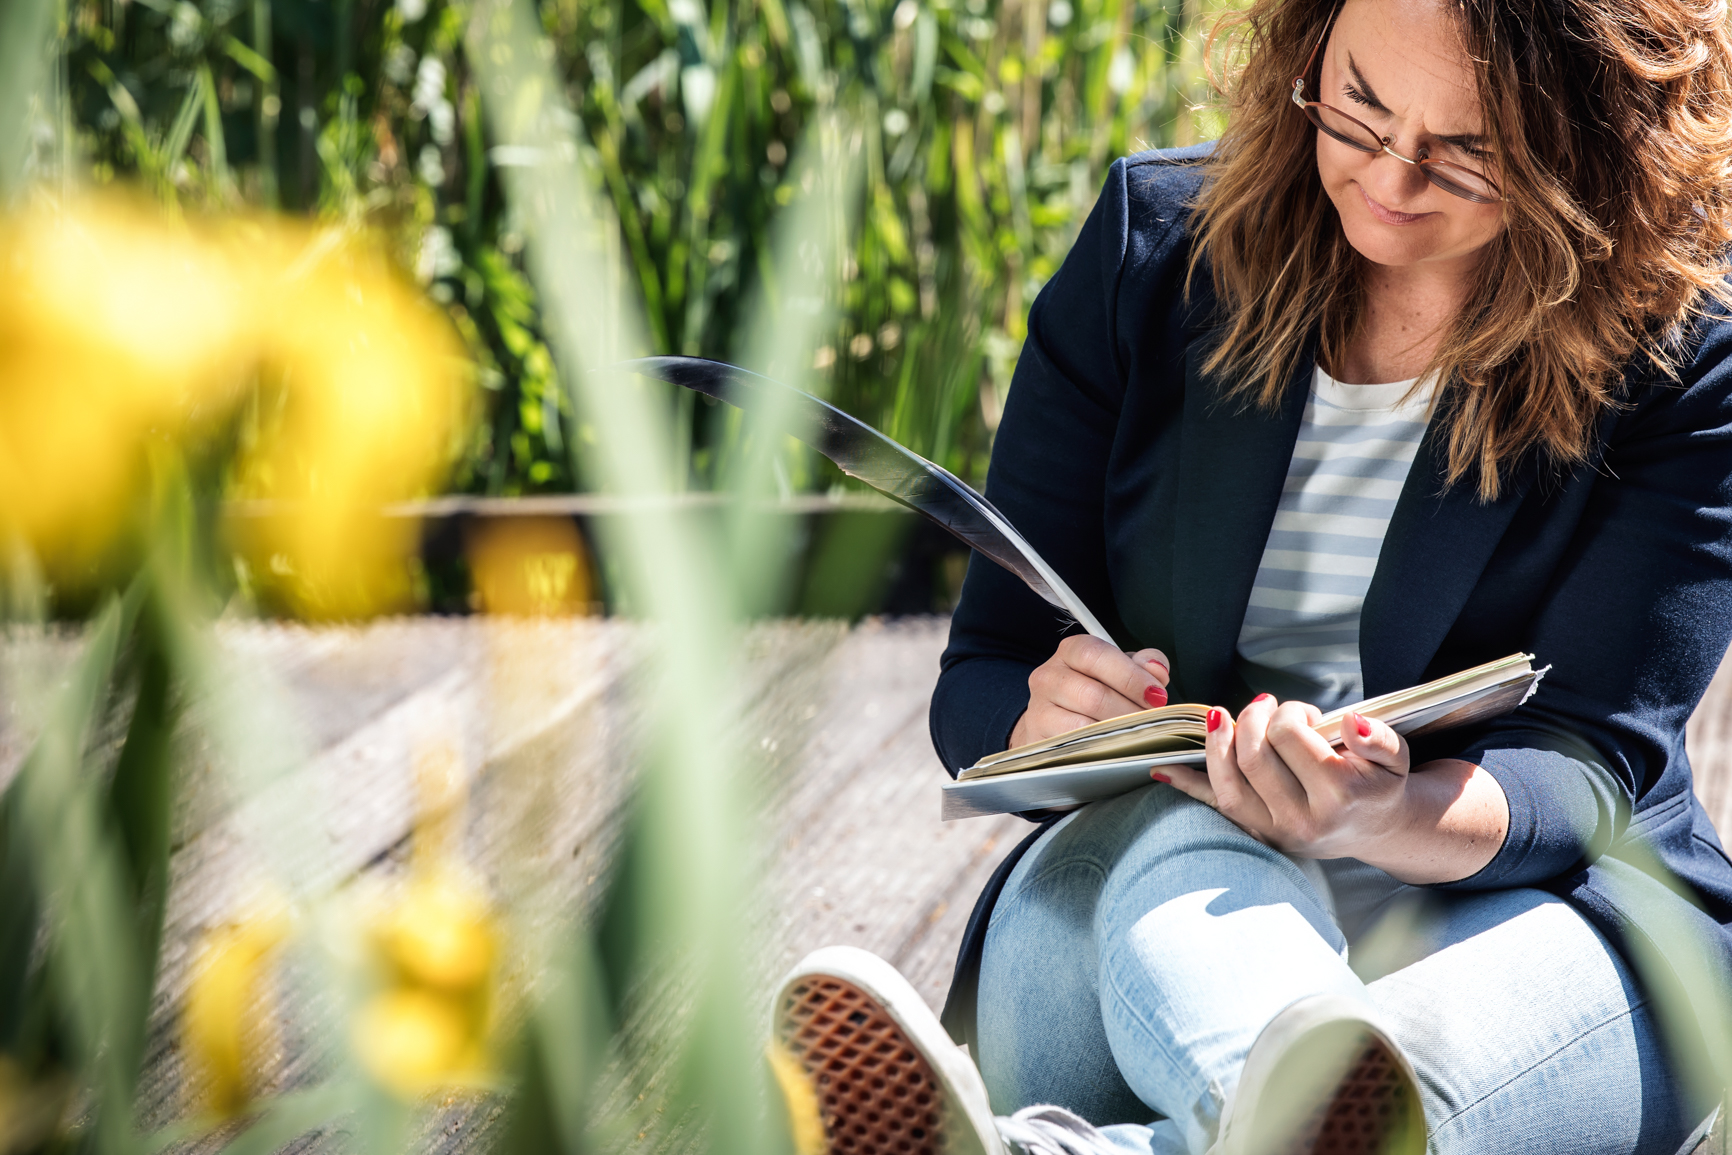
(115, 328)
(415, 1041)
(120, 331)
(364, 383)
(530, 566)
(805, 1115)
(429, 1023)
(441, 936)
(226, 1023)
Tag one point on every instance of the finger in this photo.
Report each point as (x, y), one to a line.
(1261, 764)
(1235, 796)
(1372, 741)
(1320, 774)
(1187, 780)
(1112, 667)
(1290, 734)
(1046, 720)
(1060, 682)
(1156, 663)
(1085, 695)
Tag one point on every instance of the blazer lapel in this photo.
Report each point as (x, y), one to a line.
(1436, 547)
(1233, 462)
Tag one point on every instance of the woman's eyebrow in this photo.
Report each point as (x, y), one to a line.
(1459, 139)
(1364, 87)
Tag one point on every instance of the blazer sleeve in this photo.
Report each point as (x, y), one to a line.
(1634, 626)
(1049, 462)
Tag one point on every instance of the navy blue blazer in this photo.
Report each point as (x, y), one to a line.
(1153, 500)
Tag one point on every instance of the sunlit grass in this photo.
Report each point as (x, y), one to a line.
(985, 128)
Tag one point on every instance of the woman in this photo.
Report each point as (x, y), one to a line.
(1423, 371)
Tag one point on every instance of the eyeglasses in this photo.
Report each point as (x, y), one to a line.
(1451, 178)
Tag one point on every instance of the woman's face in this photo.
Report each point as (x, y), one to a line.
(1399, 67)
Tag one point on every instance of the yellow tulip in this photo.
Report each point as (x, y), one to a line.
(226, 1021)
(530, 566)
(429, 1023)
(441, 936)
(121, 333)
(414, 1041)
(115, 329)
(365, 386)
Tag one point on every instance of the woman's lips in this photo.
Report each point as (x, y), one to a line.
(1389, 216)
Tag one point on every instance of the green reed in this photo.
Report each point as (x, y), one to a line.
(988, 128)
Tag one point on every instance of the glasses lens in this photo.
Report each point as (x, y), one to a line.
(1343, 127)
(1463, 182)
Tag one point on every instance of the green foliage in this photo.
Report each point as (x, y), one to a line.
(989, 124)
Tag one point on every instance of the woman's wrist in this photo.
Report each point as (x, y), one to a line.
(1451, 823)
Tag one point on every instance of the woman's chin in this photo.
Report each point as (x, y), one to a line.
(1394, 245)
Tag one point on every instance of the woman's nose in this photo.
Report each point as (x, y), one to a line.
(1398, 175)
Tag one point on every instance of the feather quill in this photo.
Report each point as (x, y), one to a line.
(898, 473)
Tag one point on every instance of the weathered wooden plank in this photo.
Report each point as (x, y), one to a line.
(864, 858)
(545, 741)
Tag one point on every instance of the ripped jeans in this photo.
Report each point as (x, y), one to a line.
(1143, 942)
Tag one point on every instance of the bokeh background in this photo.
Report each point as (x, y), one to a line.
(988, 127)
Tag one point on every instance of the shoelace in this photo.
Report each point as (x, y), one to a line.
(1048, 1130)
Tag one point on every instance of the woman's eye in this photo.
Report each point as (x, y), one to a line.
(1353, 94)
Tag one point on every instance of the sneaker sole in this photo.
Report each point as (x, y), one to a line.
(875, 1070)
(1324, 1051)
(1369, 1114)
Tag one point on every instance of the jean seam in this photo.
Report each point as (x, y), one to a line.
(1006, 901)
(1626, 1013)
(1142, 1021)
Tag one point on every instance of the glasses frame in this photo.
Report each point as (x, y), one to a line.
(1436, 171)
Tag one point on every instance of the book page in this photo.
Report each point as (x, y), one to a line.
(1418, 709)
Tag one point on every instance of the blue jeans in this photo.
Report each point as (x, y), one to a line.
(1143, 942)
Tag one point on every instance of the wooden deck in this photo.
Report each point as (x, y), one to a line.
(541, 735)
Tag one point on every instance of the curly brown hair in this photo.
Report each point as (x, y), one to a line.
(1610, 124)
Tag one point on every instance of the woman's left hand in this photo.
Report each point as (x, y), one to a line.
(1274, 775)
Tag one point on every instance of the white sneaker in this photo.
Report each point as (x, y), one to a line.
(888, 1078)
(1324, 1079)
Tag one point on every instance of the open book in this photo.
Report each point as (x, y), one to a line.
(1114, 756)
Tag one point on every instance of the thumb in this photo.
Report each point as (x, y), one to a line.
(1155, 662)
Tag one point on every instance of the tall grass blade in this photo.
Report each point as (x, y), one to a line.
(792, 309)
(25, 56)
(689, 816)
(79, 879)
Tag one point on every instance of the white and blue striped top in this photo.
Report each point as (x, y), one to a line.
(1348, 467)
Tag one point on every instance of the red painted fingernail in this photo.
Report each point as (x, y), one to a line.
(1160, 778)
(1214, 719)
(1262, 697)
(1155, 696)
(1158, 662)
(1361, 724)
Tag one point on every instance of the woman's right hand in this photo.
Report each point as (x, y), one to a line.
(1086, 681)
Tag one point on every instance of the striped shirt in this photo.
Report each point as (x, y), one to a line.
(1348, 467)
